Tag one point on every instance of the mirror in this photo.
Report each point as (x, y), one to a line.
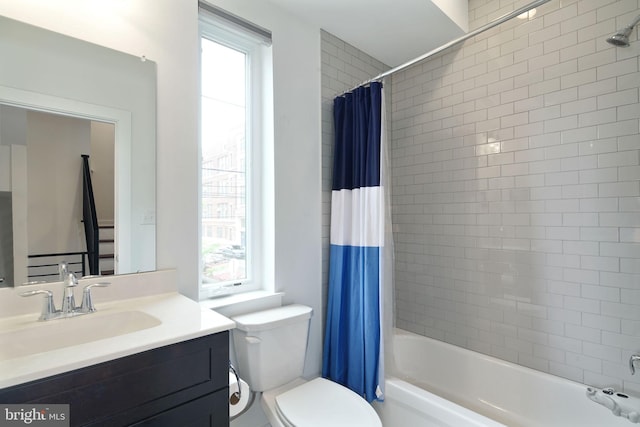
(48, 75)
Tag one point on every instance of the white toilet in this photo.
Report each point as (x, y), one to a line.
(270, 347)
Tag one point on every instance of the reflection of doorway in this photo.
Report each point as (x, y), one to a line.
(6, 240)
(52, 197)
(102, 162)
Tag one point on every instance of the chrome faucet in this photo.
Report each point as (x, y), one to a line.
(68, 300)
(63, 270)
(69, 308)
(632, 361)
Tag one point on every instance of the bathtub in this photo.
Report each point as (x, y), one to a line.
(438, 384)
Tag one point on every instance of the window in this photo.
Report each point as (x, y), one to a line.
(232, 54)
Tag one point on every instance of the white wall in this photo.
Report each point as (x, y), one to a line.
(54, 200)
(13, 154)
(166, 31)
(103, 170)
(456, 10)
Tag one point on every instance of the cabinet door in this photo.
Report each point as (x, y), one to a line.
(208, 411)
(137, 387)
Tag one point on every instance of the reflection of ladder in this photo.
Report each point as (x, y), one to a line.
(107, 258)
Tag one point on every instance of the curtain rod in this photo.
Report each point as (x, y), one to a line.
(494, 23)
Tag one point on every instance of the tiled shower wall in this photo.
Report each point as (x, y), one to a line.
(516, 191)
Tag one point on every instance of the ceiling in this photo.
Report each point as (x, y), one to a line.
(392, 31)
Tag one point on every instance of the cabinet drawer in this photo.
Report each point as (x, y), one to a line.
(135, 387)
(208, 411)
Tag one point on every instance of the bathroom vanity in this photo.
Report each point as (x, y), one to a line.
(180, 384)
(153, 360)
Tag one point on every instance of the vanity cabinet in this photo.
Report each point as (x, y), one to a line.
(183, 384)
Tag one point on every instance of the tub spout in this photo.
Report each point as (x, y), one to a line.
(632, 361)
(620, 404)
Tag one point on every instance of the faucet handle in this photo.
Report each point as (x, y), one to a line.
(87, 303)
(96, 285)
(632, 360)
(48, 306)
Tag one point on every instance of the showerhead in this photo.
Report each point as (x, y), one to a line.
(621, 38)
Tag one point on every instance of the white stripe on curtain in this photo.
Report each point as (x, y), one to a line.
(357, 218)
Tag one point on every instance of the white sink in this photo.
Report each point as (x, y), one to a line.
(39, 337)
(31, 350)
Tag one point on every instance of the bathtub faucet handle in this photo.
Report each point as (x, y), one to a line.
(632, 361)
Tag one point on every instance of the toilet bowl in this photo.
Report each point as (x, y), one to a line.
(271, 346)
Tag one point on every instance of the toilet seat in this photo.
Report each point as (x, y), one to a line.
(322, 403)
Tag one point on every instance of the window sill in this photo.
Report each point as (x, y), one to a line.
(247, 302)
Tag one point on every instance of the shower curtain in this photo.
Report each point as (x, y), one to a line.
(354, 334)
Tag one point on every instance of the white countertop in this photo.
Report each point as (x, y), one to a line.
(180, 319)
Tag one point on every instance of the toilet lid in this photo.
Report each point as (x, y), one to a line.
(322, 403)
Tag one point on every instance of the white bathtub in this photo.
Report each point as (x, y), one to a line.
(437, 384)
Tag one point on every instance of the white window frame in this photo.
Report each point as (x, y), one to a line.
(258, 54)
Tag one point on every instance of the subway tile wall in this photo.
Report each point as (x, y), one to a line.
(516, 191)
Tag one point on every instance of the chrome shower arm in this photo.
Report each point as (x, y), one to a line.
(635, 22)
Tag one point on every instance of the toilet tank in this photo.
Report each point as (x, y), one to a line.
(271, 345)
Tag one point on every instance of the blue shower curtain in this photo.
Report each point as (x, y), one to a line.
(353, 335)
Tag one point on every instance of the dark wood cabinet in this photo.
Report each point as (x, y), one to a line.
(183, 384)
(197, 413)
